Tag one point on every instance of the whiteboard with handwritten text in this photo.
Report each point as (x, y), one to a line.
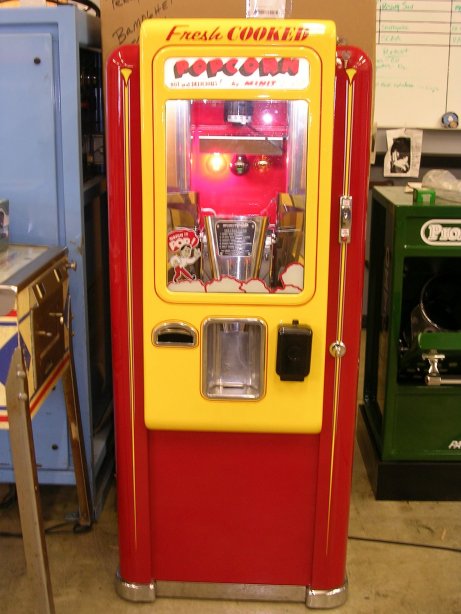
(418, 62)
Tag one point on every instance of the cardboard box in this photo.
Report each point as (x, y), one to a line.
(121, 19)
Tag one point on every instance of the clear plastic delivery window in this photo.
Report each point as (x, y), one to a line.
(236, 195)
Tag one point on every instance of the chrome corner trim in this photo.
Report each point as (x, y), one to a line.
(132, 591)
(323, 599)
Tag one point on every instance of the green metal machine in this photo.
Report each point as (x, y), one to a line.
(409, 428)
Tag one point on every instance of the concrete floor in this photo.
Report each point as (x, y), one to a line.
(403, 558)
(385, 574)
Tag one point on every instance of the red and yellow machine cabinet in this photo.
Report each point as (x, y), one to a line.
(238, 166)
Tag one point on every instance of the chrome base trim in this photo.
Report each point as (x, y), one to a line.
(224, 590)
(134, 592)
(315, 599)
(318, 599)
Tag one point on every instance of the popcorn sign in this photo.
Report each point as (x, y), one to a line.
(179, 238)
(286, 73)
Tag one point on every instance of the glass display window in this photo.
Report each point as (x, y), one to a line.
(236, 195)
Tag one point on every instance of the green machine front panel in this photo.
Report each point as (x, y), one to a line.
(414, 307)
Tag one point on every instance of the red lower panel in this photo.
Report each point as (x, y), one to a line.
(232, 507)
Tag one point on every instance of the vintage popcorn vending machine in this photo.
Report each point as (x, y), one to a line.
(236, 305)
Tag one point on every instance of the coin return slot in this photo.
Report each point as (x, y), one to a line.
(175, 335)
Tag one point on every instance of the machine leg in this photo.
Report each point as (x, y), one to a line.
(25, 470)
(77, 444)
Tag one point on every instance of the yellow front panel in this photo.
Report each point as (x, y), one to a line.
(175, 397)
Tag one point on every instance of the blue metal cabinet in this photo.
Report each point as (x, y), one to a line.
(52, 172)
